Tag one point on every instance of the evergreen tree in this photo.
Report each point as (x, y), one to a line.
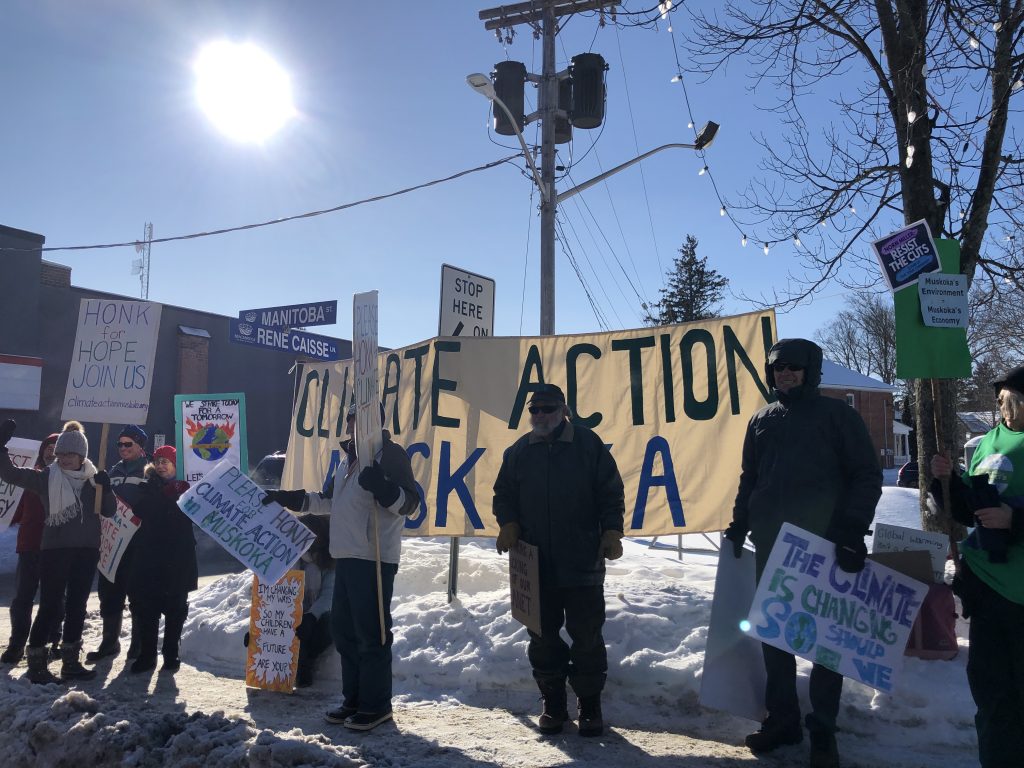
(693, 291)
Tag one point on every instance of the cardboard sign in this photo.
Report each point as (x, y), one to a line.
(364, 356)
(210, 429)
(115, 534)
(896, 538)
(273, 656)
(856, 624)
(943, 300)
(733, 679)
(660, 397)
(266, 539)
(112, 362)
(23, 454)
(524, 581)
(907, 254)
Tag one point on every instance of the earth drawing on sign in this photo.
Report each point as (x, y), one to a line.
(212, 441)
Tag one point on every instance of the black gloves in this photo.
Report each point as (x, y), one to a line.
(373, 480)
(7, 432)
(293, 500)
(737, 534)
(102, 478)
(306, 627)
(851, 556)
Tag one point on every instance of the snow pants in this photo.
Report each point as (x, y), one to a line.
(365, 661)
(26, 584)
(995, 672)
(780, 697)
(65, 578)
(585, 662)
(148, 608)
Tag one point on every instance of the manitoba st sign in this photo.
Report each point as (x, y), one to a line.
(293, 315)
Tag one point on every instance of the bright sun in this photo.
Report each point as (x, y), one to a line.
(243, 91)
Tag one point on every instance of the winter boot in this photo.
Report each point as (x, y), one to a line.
(55, 651)
(111, 643)
(824, 752)
(38, 671)
(591, 720)
(173, 624)
(145, 628)
(71, 668)
(555, 712)
(133, 647)
(13, 653)
(774, 734)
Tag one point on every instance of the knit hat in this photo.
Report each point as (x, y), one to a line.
(72, 440)
(1014, 379)
(135, 433)
(166, 452)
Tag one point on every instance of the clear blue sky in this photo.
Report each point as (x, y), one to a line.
(102, 133)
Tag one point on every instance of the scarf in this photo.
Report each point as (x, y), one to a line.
(65, 492)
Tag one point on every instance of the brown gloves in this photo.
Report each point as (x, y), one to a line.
(611, 545)
(508, 535)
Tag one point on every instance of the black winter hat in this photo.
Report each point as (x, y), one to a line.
(1014, 379)
(800, 352)
(548, 393)
(133, 432)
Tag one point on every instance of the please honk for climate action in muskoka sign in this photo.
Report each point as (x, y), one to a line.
(856, 624)
(268, 540)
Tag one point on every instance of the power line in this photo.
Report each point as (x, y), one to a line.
(307, 215)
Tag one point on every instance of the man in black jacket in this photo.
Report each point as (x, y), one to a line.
(559, 489)
(807, 460)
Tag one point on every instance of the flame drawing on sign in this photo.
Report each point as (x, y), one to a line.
(210, 441)
(272, 660)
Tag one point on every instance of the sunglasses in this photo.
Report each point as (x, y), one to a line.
(787, 367)
(125, 445)
(535, 409)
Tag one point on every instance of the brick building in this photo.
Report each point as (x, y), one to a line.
(872, 399)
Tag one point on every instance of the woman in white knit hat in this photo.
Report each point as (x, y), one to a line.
(70, 547)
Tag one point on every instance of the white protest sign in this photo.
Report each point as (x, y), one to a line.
(115, 534)
(856, 624)
(227, 506)
(524, 585)
(112, 362)
(364, 356)
(943, 300)
(209, 428)
(733, 678)
(896, 538)
(23, 454)
(273, 656)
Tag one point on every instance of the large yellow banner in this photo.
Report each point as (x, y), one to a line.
(672, 402)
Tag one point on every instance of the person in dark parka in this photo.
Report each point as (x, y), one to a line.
(559, 489)
(164, 569)
(807, 460)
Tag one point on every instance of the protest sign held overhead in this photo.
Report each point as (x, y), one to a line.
(658, 396)
(23, 454)
(273, 656)
(856, 624)
(364, 354)
(210, 429)
(266, 539)
(112, 362)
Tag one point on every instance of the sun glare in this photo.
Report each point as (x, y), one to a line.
(243, 91)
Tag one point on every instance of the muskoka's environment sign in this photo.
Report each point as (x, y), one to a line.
(673, 403)
(856, 624)
(293, 315)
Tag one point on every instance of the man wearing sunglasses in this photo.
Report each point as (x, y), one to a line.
(559, 489)
(127, 481)
(807, 460)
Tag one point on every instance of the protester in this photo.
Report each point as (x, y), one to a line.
(559, 489)
(807, 460)
(127, 478)
(70, 546)
(367, 518)
(163, 569)
(29, 517)
(989, 497)
(314, 632)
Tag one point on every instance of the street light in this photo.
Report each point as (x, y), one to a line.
(482, 84)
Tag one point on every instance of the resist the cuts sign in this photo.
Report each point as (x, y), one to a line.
(112, 362)
(907, 254)
(266, 539)
(115, 534)
(276, 613)
(856, 624)
(467, 303)
(23, 454)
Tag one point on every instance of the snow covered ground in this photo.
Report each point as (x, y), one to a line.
(464, 695)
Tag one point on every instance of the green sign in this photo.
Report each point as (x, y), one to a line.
(924, 352)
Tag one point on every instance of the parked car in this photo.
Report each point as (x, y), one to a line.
(267, 474)
(907, 477)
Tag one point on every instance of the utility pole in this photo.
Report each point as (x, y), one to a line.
(545, 13)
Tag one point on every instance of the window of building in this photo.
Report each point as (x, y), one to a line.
(849, 400)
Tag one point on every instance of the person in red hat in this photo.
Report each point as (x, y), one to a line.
(164, 569)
